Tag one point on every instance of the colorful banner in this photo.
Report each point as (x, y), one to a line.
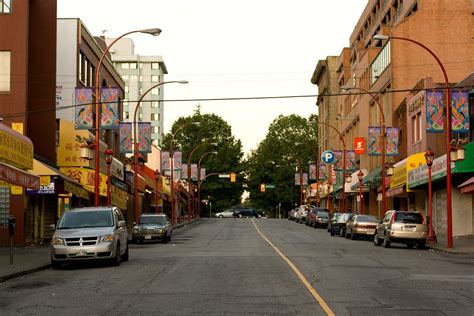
(375, 141)
(109, 118)
(460, 112)
(322, 171)
(84, 115)
(303, 179)
(144, 137)
(165, 160)
(350, 160)
(312, 172)
(203, 174)
(126, 141)
(434, 111)
(193, 171)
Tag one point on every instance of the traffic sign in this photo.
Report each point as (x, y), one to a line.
(328, 157)
(270, 186)
(224, 175)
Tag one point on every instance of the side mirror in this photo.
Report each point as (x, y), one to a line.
(122, 224)
(52, 227)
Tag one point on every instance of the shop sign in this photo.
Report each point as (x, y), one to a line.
(359, 145)
(118, 197)
(419, 175)
(399, 177)
(18, 177)
(394, 192)
(44, 189)
(69, 150)
(85, 177)
(15, 149)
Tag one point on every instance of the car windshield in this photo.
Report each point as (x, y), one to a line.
(160, 220)
(86, 219)
(405, 217)
(323, 214)
(367, 218)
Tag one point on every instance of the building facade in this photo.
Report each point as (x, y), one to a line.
(141, 73)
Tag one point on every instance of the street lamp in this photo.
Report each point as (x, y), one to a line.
(109, 155)
(189, 176)
(199, 179)
(98, 104)
(360, 175)
(383, 139)
(429, 156)
(157, 183)
(447, 119)
(172, 167)
(135, 144)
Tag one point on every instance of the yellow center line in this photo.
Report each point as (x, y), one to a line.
(300, 275)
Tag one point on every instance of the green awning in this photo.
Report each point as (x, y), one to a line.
(466, 165)
(372, 180)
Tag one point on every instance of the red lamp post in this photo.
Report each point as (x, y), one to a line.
(360, 175)
(98, 105)
(429, 156)
(157, 186)
(109, 155)
(447, 119)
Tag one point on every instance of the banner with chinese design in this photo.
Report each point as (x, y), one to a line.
(392, 141)
(109, 118)
(203, 174)
(322, 171)
(374, 141)
(144, 137)
(312, 171)
(83, 105)
(460, 112)
(193, 175)
(301, 179)
(434, 111)
(350, 160)
(125, 135)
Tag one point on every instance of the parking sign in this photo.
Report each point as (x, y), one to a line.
(327, 157)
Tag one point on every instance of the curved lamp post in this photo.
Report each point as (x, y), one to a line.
(360, 176)
(447, 112)
(135, 144)
(383, 148)
(109, 155)
(172, 167)
(98, 103)
(189, 176)
(157, 186)
(429, 156)
(199, 179)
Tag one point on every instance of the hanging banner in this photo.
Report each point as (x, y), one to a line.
(359, 145)
(350, 160)
(434, 111)
(84, 116)
(165, 160)
(460, 112)
(375, 141)
(109, 118)
(193, 175)
(203, 174)
(125, 134)
(322, 171)
(312, 171)
(144, 137)
(178, 155)
(301, 179)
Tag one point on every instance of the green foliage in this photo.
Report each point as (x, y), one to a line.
(212, 129)
(290, 144)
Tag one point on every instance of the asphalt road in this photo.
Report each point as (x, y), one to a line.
(225, 266)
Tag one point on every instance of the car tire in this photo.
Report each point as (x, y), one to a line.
(352, 236)
(116, 259)
(332, 232)
(56, 265)
(421, 245)
(164, 240)
(377, 241)
(220, 216)
(386, 241)
(347, 235)
(410, 245)
(169, 237)
(125, 255)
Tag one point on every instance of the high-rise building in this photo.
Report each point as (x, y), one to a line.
(140, 73)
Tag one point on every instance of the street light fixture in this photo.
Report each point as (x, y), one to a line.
(360, 175)
(109, 155)
(199, 179)
(429, 156)
(98, 105)
(135, 144)
(172, 168)
(447, 120)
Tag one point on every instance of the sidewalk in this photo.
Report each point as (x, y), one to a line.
(35, 258)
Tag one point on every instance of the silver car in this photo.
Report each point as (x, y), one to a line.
(90, 233)
(151, 227)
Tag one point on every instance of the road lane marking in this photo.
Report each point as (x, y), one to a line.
(300, 275)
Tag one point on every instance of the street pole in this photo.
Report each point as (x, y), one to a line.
(429, 156)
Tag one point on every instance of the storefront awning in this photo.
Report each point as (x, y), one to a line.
(467, 186)
(374, 178)
(18, 177)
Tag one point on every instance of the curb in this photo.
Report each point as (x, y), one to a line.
(25, 272)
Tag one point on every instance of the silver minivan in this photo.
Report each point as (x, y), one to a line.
(90, 233)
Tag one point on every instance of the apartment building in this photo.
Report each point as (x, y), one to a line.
(141, 73)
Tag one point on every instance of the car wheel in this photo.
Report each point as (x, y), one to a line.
(410, 245)
(116, 258)
(377, 241)
(125, 255)
(332, 232)
(352, 236)
(386, 241)
(220, 216)
(347, 235)
(164, 239)
(421, 245)
(240, 215)
(56, 264)
(169, 237)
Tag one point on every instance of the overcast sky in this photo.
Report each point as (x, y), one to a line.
(231, 49)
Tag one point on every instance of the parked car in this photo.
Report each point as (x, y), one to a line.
(333, 219)
(339, 226)
(246, 212)
(152, 227)
(302, 213)
(401, 227)
(318, 217)
(292, 214)
(90, 233)
(361, 225)
(227, 214)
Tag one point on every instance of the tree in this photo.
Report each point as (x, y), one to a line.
(212, 128)
(290, 145)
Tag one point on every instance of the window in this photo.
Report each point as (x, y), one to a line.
(416, 127)
(140, 116)
(5, 6)
(82, 62)
(133, 78)
(125, 66)
(5, 71)
(125, 77)
(125, 102)
(133, 65)
(155, 104)
(126, 115)
(154, 116)
(155, 129)
(155, 66)
(127, 89)
(380, 63)
(155, 91)
(155, 79)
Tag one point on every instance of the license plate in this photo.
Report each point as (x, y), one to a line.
(410, 229)
(147, 237)
(81, 253)
(370, 232)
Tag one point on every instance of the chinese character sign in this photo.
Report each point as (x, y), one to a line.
(144, 137)
(109, 118)
(460, 112)
(125, 134)
(83, 106)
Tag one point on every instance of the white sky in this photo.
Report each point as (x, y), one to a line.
(231, 49)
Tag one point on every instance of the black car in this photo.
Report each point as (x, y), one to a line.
(339, 226)
(246, 212)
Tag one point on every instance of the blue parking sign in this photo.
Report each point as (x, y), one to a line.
(327, 156)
